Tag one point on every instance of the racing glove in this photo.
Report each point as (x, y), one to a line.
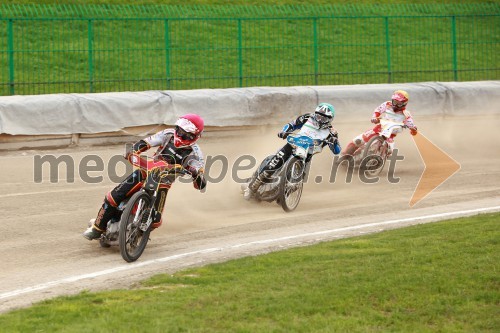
(199, 182)
(285, 131)
(283, 135)
(413, 131)
(196, 169)
(335, 147)
(137, 148)
(375, 120)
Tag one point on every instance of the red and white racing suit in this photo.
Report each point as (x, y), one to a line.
(190, 157)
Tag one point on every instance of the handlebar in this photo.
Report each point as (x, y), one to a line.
(383, 122)
(148, 164)
(315, 142)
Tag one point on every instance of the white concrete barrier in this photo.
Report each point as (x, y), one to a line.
(70, 114)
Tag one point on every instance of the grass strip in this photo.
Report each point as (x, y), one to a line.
(426, 278)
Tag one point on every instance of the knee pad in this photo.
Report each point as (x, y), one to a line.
(109, 201)
(358, 141)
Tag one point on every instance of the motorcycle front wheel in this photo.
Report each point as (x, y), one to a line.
(374, 156)
(132, 239)
(291, 184)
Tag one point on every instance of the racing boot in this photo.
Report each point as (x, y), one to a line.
(106, 212)
(254, 185)
(250, 188)
(247, 194)
(244, 187)
(391, 147)
(349, 149)
(92, 233)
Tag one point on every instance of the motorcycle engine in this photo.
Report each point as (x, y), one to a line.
(112, 229)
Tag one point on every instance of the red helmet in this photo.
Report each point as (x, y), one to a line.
(188, 129)
(399, 100)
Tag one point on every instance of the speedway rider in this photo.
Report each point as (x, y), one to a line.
(175, 146)
(395, 109)
(316, 125)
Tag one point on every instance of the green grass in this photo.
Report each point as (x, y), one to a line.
(440, 277)
(55, 56)
(238, 2)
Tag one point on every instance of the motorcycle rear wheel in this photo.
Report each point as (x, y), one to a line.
(291, 184)
(132, 239)
(374, 156)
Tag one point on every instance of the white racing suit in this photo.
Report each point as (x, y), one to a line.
(383, 111)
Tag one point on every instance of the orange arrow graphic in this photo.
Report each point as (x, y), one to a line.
(439, 166)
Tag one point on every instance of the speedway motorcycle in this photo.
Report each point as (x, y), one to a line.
(286, 183)
(371, 156)
(137, 216)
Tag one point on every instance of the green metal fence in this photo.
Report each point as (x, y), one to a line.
(40, 54)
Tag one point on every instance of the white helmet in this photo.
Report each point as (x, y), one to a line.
(324, 114)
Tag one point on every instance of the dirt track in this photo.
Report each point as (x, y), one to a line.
(44, 254)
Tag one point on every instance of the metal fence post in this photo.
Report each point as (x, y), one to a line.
(167, 54)
(316, 51)
(454, 45)
(388, 49)
(10, 41)
(240, 54)
(91, 59)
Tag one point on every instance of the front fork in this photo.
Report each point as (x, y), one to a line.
(158, 194)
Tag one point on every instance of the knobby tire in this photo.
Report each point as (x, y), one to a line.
(132, 240)
(291, 184)
(376, 143)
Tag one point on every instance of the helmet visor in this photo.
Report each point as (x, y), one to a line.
(181, 133)
(398, 104)
(321, 118)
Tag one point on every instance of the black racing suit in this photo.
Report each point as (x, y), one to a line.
(190, 157)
